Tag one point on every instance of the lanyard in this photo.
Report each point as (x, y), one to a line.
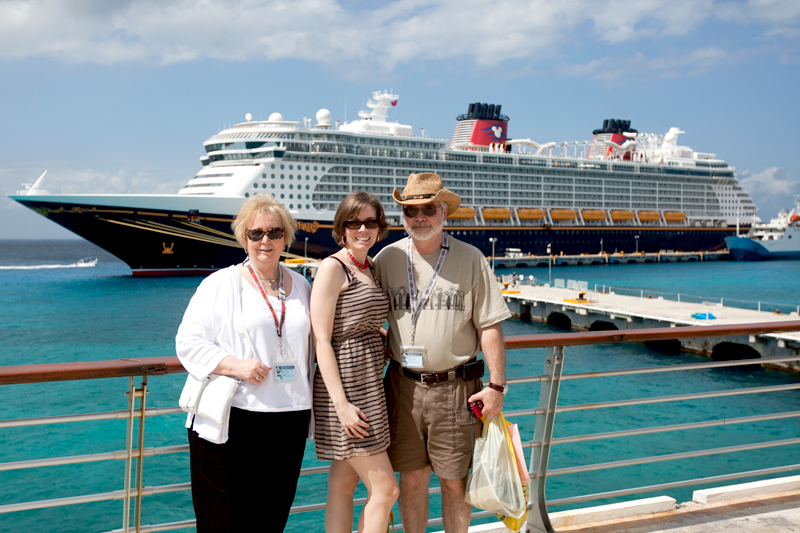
(416, 306)
(281, 296)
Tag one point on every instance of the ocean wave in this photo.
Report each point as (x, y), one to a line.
(42, 267)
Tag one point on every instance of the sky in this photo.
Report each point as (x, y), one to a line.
(118, 97)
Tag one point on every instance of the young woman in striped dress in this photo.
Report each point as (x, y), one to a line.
(348, 309)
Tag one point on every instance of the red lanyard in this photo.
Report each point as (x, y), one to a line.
(281, 296)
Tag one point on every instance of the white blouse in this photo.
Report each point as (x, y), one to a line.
(211, 330)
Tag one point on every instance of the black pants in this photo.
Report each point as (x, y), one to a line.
(248, 483)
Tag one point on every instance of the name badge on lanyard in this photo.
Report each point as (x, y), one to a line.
(285, 369)
(413, 355)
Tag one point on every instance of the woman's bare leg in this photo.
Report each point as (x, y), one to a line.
(342, 483)
(377, 475)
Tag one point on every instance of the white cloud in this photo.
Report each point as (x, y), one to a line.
(335, 31)
(93, 181)
(772, 189)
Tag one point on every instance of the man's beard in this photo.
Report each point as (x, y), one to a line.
(422, 232)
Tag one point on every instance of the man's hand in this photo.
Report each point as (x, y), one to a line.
(492, 402)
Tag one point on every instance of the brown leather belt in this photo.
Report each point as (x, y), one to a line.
(427, 377)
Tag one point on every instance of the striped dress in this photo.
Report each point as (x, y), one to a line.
(358, 345)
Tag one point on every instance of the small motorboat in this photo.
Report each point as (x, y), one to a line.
(87, 262)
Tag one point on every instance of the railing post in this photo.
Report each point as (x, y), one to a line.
(140, 462)
(538, 519)
(126, 504)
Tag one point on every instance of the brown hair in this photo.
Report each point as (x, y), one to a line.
(349, 209)
(266, 205)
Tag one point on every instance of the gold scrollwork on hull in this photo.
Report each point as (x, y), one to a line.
(168, 250)
(308, 227)
(46, 211)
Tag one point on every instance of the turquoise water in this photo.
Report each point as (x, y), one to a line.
(58, 314)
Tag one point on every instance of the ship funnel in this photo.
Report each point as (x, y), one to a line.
(482, 125)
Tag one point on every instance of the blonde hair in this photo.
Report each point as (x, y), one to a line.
(349, 209)
(267, 205)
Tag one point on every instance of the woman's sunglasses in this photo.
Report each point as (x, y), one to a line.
(370, 223)
(427, 210)
(256, 235)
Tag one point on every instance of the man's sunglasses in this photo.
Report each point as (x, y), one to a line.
(256, 235)
(427, 210)
(370, 223)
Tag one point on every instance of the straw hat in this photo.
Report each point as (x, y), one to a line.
(426, 188)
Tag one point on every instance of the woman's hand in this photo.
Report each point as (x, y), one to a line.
(250, 370)
(353, 421)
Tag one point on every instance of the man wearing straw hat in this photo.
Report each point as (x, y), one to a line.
(445, 307)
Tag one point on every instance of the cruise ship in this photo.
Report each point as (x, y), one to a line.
(771, 240)
(623, 191)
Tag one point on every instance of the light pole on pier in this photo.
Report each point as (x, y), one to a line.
(601, 246)
(305, 250)
(637, 243)
(549, 265)
(492, 240)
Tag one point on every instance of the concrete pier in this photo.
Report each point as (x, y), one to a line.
(667, 256)
(608, 311)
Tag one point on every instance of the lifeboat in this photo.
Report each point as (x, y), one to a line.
(563, 214)
(674, 216)
(463, 213)
(530, 214)
(649, 216)
(496, 213)
(592, 215)
(621, 215)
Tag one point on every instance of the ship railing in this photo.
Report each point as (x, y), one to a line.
(537, 450)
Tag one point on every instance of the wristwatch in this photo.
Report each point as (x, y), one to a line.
(502, 389)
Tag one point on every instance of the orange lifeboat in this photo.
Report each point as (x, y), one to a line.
(649, 216)
(674, 216)
(463, 213)
(496, 213)
(621, 215)
(593, 215)
(530, 214)
(563, 214)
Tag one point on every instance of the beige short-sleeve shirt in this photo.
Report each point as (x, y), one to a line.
(466, 297)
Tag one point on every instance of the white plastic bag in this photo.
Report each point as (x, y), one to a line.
(494, 483)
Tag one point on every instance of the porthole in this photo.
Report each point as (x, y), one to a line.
(282, 176)
(291, 206)
(282, 185)
(255, 185)
(308, 206)
(291, 186)
(290, 167)
(282, 167)
(272, 165)
(263, 185)
(323, 169)
(306, 167)
(315, 168)
(282, 196)
(263, 176)
(273, 176)
(291, 196)
(308, 197)
(247, 195)
(308, 187)
(273, 185)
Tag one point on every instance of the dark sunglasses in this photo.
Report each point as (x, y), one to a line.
(256, 235)
(370, 223)
(427, 210)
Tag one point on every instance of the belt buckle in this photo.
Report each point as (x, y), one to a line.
(430, 378)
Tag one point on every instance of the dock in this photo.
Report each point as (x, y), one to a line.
(579, 308)
(664, 256)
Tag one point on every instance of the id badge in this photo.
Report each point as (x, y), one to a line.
(285, 373)
(414, 356)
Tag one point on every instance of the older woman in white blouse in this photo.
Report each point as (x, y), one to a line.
(244, 473)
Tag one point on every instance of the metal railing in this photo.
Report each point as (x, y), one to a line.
(540, 446)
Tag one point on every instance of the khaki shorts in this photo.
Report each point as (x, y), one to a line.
(431, 425)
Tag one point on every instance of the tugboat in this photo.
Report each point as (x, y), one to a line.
(777, 239)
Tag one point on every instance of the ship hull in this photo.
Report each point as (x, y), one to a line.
(154, 240)
(747, 249)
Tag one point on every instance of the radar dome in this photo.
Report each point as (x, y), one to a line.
(324, 116)
(276, 117)
(248, 117)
